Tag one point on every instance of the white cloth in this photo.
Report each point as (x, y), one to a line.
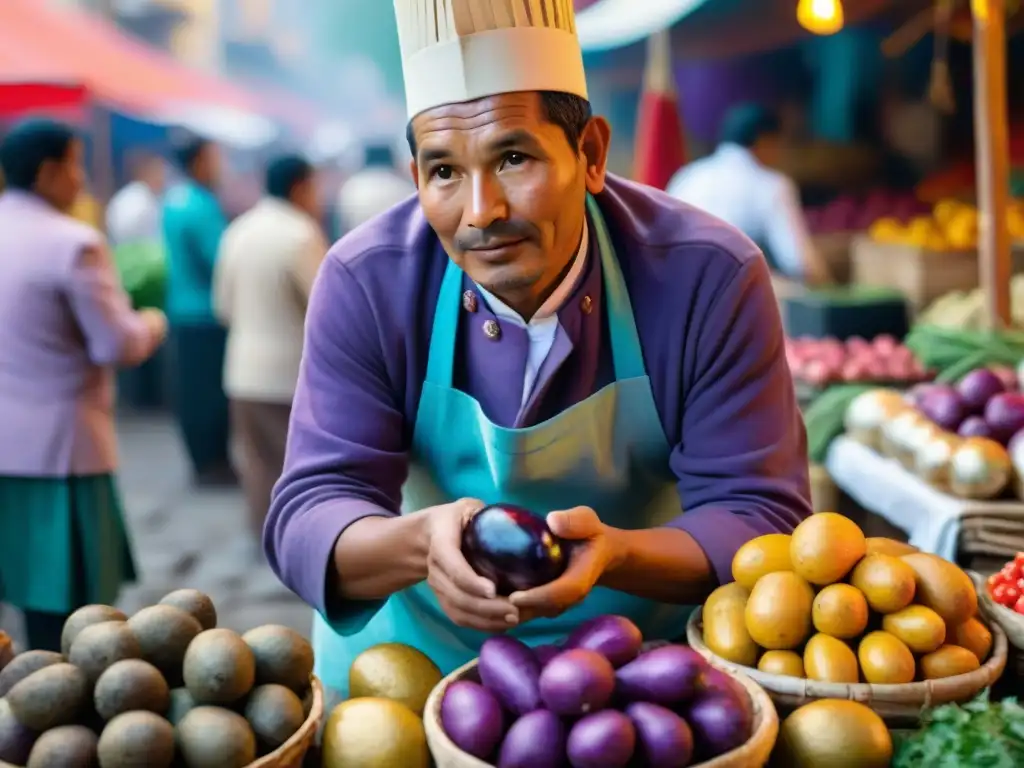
(759, 201)
(258, 296)
(883, 486)
(133, 215)
(544, 324)
(369, 193)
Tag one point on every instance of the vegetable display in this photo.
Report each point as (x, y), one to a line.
(820, 362)
(960, 439)
(513, 548)
(978, 734)
(850, 213)
(1006, 586)
(827, 604)
(601, 701)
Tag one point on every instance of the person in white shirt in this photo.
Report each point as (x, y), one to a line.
(265, 269)
(377, 186)
(738, 184)
(133, 214)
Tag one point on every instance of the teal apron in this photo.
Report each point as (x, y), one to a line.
(608, 452)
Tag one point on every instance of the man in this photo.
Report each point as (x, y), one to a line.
(535, 331)
(193, 224)
(373, 189)
(133, 215)
(737, 184)
(268, 259)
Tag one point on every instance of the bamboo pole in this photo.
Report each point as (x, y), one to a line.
(991, 139)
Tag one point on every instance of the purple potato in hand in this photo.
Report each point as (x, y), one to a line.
(577, 682)
(663, 737)
(510, 670)
(535, 740)
(472, 718)
(666, 675)
(604, 739)
(513, 548)
(615, 637)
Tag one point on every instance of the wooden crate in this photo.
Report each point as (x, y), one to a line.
(824, 493)
(835, 249)
(921, 275)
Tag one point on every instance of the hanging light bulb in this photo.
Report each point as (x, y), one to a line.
(821, 17)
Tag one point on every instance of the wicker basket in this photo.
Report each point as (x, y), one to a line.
(1011, 622)
(896, 704)
(293, 752)
(753, 754)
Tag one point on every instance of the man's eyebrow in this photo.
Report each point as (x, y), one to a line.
(513, 139)
(433, 155)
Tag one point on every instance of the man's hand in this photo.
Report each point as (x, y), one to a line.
(467, 598)
(593, 551)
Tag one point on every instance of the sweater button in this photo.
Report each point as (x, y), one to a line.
(492, 330)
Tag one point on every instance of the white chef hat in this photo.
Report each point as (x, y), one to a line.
(461, 50)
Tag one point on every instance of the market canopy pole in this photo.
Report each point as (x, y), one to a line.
(992, 157)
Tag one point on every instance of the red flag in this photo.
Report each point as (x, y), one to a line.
(660, 148)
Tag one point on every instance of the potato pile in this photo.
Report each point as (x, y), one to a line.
(827, 604)
(164, 687)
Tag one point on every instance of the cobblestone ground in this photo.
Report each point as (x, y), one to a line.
(189, 537)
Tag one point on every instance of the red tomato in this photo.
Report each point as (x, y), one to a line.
(999, 593)
(1012, 594)
(1019, 560)
(1011, 572)
(1019, 606)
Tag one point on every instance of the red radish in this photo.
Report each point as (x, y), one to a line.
(856, 344)
(817, 373)
(885, 344)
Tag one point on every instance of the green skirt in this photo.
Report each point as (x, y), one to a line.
(63, 542)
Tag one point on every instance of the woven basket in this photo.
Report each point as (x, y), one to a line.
(896, 704)
(753, 754)
(293, 752)
(1011, 622)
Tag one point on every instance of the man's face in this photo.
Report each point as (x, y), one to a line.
(505, 191)
(207, 165)
(61, 181)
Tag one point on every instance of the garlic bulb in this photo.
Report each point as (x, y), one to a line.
(869, 411)
(980, 469)
(934, 457)
(900, 432)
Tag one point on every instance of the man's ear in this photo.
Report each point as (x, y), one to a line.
(415, 171)
(594, 145)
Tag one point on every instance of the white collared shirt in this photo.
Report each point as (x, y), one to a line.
(134, 215)
(544, 324)
(759, 201)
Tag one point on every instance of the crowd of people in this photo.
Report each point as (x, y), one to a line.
(231, 319)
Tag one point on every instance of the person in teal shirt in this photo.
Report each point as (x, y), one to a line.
(193, 223)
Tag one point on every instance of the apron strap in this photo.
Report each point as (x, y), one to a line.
(441, 353)
(627, 354)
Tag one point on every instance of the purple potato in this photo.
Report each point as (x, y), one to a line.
(719, 725)
(1005, 414)
(513, 548)
(604, 739)
(976, 426)
(546, 653)
(510, 671)
(615, 637)
(978, 387)
(716, 681)
(472, 718)
(535, 740)
(666, 675)
(664, 739)
(944, 406)
(16, 741)
(576, 682)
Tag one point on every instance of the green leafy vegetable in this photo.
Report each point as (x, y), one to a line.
(979, 734)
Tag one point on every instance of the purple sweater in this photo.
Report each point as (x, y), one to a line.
(712, 342)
